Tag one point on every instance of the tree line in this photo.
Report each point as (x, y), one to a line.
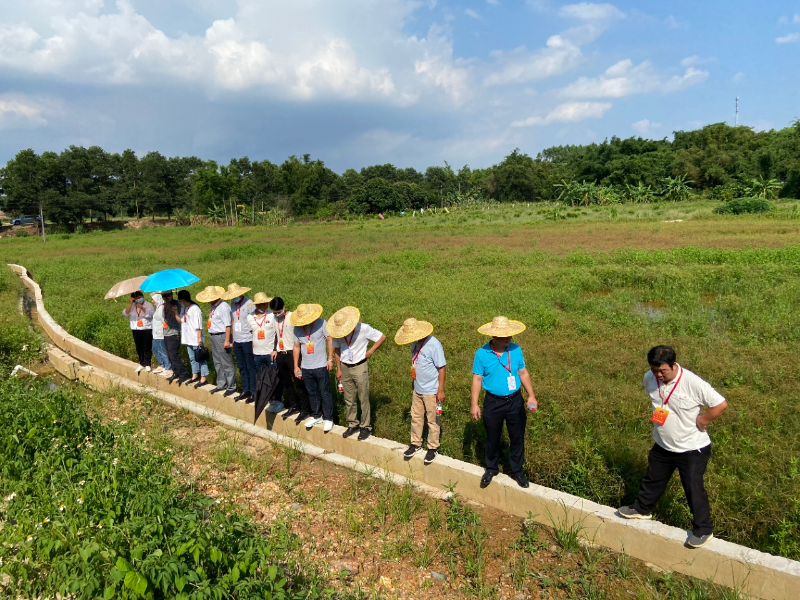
(84, 184)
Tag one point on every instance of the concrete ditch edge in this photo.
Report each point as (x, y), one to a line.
(757, 573)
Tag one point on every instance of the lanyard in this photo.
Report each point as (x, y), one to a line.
(352, 335)
(507, 368)
(213, 310)
(138, 312)
(674, 387)
(416, 356)
(264, 320)
(308, 334)
(280, 325)
(239, 303)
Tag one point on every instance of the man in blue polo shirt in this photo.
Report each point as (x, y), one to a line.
(499, 368)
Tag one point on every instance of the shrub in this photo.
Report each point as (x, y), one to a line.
(20, 233)
(741, 206)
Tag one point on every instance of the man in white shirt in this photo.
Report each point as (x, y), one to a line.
(241, 308)
(292, 391)
(219, 331)
(350, 340)
(681, 441)
(313, 345)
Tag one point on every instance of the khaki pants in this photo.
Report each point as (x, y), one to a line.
(422, 405)
(356, 380)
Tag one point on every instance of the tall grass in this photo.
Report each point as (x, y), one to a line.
(595, 294)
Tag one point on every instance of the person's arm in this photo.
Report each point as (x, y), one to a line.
(710, 415)
(477, 381)
(296, 356)
(337, 354)
(173, 308)
(440, 391)
(127, 311)
(525, 380)
(329, 344)
(375, 346)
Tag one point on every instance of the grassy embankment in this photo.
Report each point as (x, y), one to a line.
(596, 292)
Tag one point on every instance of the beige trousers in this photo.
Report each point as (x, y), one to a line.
(355, 380)
(422, 405)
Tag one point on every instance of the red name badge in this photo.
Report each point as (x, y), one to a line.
(208, 325)
(261, 335)
(139, 323)
(413, 372)
(660, 416)
(309, 347)
(280, 344)
(164, 325)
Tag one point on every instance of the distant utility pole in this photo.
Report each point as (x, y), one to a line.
(737, 111)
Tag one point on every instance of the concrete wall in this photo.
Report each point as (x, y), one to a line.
(759, 574)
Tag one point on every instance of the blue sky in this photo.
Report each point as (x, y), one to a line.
(412, 82)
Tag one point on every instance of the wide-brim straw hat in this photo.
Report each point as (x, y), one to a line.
(412, 331)
(502, 327)
(261, 298)
(343, 321)
(305, 314)
(210, 294)
(234, 291)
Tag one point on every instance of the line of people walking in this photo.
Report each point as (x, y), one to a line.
(304, 348)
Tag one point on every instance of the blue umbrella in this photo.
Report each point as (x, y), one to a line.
(168, 279)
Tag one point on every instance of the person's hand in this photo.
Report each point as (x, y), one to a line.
(368, 354)
(476, 412)
(274, 355)
(329, 364)
(226, 345)
(532, 405)
(701, 423)
(440, 396)
(298, 373)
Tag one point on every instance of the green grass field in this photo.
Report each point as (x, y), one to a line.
(597, 287)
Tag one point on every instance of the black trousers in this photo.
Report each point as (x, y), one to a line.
(173, 345)
(294, 390)
(143, 339)
(511, 409)
(691, 467)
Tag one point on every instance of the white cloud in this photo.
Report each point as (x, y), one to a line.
(471, 13)
(521, 65)
(624, 79)
(19, 112)
(692, 61)
(788, 39)
(738, 78)
(786, 20)
(591, 12)
(570, 112)
(645, 126)
(673, 23)
(796, 19)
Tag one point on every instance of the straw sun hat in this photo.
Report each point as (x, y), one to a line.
(502, 327)
(412, 330)
(305, 314)
(260, 298)
(343, 321)
(234, 291)
(211, 294)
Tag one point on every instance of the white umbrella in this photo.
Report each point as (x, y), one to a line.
(124, 288)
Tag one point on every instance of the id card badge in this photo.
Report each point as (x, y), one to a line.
(413, 372)
(660, 416)
(348, 355)
(208, 324)
(309, 347)
(237, 326)
(512, 383)
(139, 323)
(261, 334)
(280, 344)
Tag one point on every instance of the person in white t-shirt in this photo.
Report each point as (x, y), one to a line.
(350, 338)
(159, 326)
(678, 398)
(192, 337)
(140, 314)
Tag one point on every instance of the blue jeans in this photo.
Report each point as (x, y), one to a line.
(260, 360)
(317, 383)
(197, 367)
(247, 365)
(160, 350)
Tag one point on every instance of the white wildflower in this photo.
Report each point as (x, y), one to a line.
(10, 497)
(80, 500)
(30, 538)
(61, 508)
(46, 520)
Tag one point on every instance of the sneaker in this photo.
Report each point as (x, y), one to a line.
(139, 369)
(158, 370)
(327, 426)
(697, 541)
(350, 431)
(167, 374)
(412, 450)
(311, 421)
(148, 369)
(628, 512)
(365, 433)
(274, 407)
(430, 455)
(521, 480)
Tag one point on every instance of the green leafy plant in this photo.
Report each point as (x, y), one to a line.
(741, 206)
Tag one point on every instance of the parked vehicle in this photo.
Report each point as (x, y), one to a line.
(26, 220)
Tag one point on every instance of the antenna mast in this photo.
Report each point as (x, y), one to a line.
(737, 111)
